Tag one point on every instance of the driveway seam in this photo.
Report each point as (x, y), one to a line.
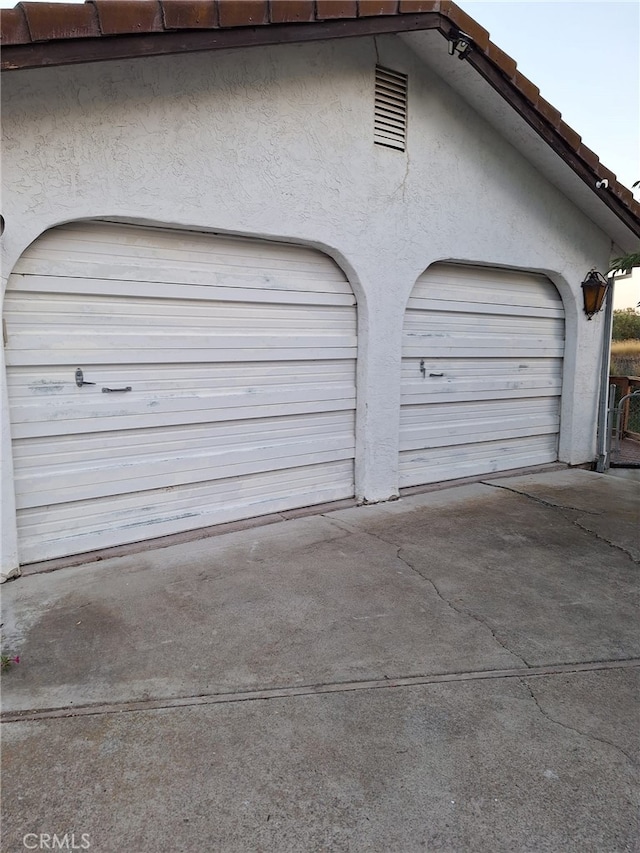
(573, 729)
(319, 689)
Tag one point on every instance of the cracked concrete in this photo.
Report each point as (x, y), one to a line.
(606, 509)
(530, 746)
(573, 729)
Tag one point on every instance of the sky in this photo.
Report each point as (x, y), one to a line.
(584, 56)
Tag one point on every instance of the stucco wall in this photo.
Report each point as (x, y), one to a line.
(278, 142)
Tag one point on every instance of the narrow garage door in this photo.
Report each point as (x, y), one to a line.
(231, 369)
(481, 373)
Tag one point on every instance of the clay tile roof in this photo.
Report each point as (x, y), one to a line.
(41, 34)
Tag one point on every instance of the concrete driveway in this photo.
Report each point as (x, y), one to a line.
(454, 671)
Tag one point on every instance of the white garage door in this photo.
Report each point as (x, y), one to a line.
(481, 373)
(231, 364)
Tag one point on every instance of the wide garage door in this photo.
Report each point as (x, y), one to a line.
(219, 383)
(481, 373)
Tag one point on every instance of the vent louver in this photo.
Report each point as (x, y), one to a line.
(390, 122)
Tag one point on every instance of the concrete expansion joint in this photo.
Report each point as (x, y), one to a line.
(27, 715)
(587, 735)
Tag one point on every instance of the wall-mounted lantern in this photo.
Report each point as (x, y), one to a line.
(594, 290)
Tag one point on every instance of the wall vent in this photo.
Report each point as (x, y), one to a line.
(390, 122)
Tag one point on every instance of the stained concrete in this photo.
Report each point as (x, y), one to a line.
(515, 575)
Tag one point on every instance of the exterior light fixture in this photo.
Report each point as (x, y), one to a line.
(459, 43)
(594, 290)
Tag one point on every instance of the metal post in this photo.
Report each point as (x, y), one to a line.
(610, 413)
(602, 462)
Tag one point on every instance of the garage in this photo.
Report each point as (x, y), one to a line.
(163, 380)
(482, 361)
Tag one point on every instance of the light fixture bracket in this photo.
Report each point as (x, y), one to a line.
(459, 43)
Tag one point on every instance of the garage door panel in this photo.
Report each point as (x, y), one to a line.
(170, 441)
(84, 241)
(124, 422)
(137, 517)
(39, 311)
(145, 507)
(486, 286)
(477, 368)
(440, 426)
(227, 396)
(439, 391)
(34, 381)
(113, 287)
(462, 322)
(451, 346)
(184, 261)
(438, 464)
(481, 373)
(98, 482)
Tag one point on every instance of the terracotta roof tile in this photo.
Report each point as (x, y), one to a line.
(294, 11)
(48, 21)
(569, 135)
(412, 7)
(134, 16)
(502, 60)
(549, 112)
(330, 9)
(13, 24)
(528, 89)
(377, 7)
(610, 176)
(625, 194)
(589, 156)
(198, 14)
(243, 13)
(118, 22)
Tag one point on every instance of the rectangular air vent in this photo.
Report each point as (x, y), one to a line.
(390, 123)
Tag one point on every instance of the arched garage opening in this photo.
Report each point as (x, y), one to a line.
(162, 381)
(481, 373)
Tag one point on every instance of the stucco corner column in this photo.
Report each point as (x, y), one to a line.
(9, 566)
(378, 410)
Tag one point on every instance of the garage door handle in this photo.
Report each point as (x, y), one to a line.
(111, 390)
(436, 374)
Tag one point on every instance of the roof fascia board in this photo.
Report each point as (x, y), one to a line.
(83, 50)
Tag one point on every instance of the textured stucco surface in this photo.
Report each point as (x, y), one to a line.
(278, 142)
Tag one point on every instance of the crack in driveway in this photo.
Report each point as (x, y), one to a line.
(574, 521)
(540, 500)
(461, 611)
(573, 729)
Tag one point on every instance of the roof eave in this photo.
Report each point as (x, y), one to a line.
(492, 64)
(73, 51)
